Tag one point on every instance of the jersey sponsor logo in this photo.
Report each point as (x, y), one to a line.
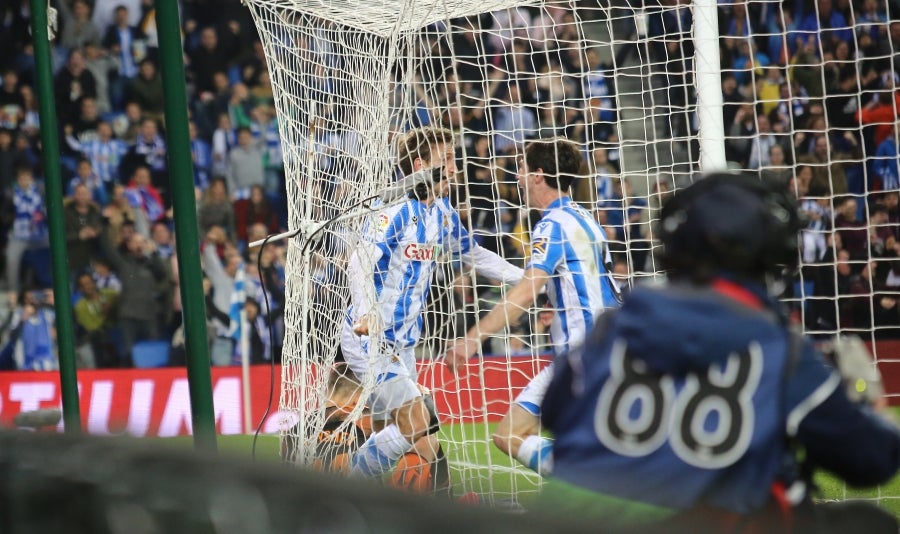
(539, 246)
(419, 252)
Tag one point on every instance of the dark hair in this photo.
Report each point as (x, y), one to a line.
(418, 143)
(560, 160)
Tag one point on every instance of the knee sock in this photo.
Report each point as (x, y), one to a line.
(440, 472)
(380, 452)
(537, 453)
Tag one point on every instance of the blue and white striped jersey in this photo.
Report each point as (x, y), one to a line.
(819, 215)
(105, 157)
(569, 245)
(408, 238)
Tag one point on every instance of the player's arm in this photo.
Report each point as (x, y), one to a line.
(492, 265)
(505, 312)
(487, 263)
(360, 268)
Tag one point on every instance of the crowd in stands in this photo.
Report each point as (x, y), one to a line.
(812, 100)
(118, 206)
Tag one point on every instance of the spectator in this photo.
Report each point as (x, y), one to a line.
(82, 128)
(143, 196)
(201, 157)
(223, 140)
(741, 131)
(104, 67)
(240, 106)
(512, 122)
(854, 235)
(147, 25)
(149, 150)
(147, 90)
(211, 104)
(245, 165)
(885, 164)
(78, 28)
(127, 126)
(95, 315)
(826, 25)
(162, 237)
(260, 343)
(262, 93)
(777, 172)
(29, 230)
(762, 142)
(112, 13)
(119, 213)
(12, 103)
(881, 112)
(830, 165)
(125, 41)
(732, 100)
(817, 208)
(768, 89)
(881, 234)
(104, 154)
(85, 175)
(621, 215)
(34, 332)
(83, 226)
(141, 271)
(254, 210)
(222, 275)
(782, 39)
(8, 162)
(216, 209)
(71, 84)
(207, 59)
(104, 277)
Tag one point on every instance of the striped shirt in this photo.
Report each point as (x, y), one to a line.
(105, 157)
(30, 219)
(571, 247)
(202, 156)
(409, 238)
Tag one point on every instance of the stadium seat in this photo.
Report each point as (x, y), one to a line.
(146, 354)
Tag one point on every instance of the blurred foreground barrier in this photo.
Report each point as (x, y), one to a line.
(53, 483)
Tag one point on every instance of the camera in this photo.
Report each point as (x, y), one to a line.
(859, 373)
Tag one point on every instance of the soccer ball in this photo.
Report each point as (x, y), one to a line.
(413, 473)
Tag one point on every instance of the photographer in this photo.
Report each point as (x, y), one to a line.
(697, 404)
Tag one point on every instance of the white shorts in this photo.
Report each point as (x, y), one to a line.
(394, 374)
(533, 395)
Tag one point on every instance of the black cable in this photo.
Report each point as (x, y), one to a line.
(262, 283)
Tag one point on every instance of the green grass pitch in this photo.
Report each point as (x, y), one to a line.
(471, 455)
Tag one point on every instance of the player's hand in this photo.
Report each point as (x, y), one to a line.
(366, 325)
(459, 352)
(361, 327)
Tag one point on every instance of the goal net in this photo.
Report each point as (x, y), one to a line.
(652, 94)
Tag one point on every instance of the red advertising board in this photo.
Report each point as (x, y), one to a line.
(156, 402)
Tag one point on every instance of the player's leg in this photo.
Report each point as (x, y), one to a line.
(518, 434)
(425, 467)
(384, 448)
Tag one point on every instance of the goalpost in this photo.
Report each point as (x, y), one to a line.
(640, 88)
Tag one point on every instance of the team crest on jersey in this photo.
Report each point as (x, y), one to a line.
(539, 246)
(420, 252)
(383, 221)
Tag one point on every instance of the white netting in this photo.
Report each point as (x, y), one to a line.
(349, 76)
